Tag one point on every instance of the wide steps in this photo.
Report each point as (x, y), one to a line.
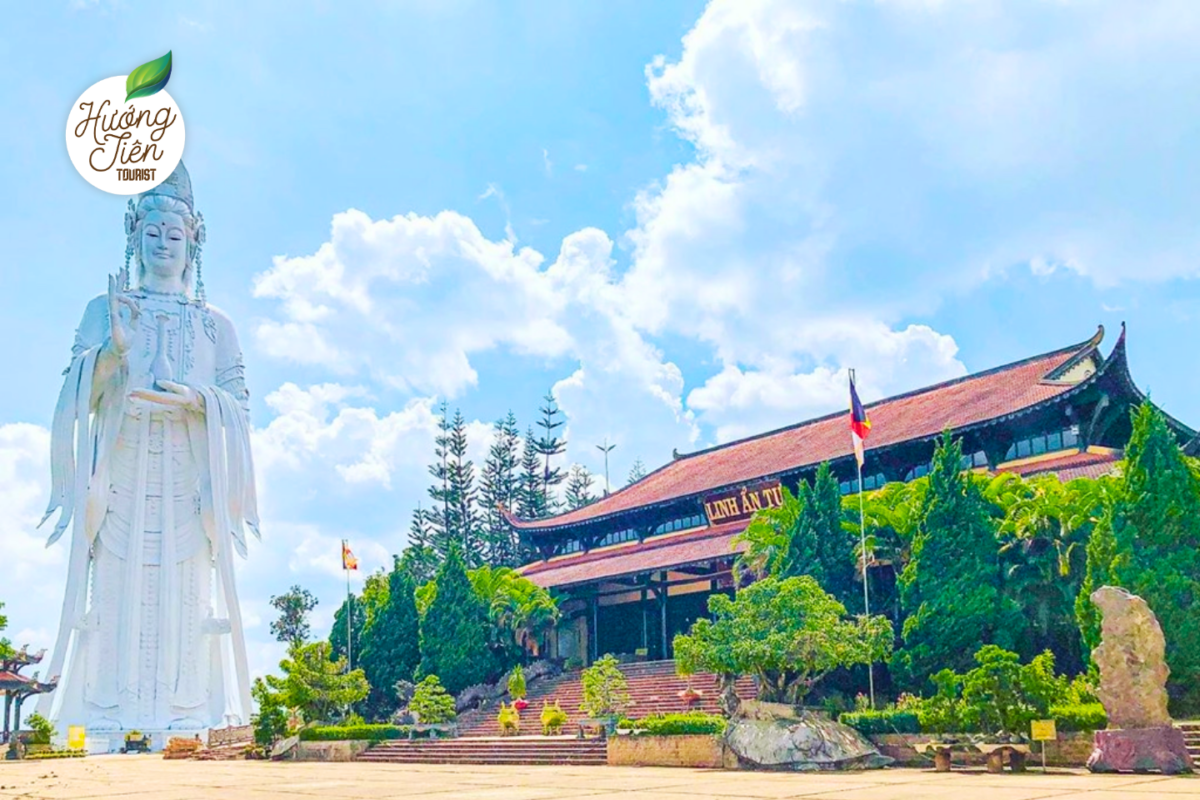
(490, 751)
(654, 688)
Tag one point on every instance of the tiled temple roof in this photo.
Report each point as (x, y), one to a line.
(960, 404)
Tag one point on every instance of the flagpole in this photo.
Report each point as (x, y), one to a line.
(349, 612)
(862, 535)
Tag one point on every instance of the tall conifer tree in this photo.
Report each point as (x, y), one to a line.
(579, 487)
(636, 472)
(500, 486)
(951, 588)
(1150, 545)
(550, 446)
(531, 500)
(464, 531)
(454, 632)
(440, 516)
(835, 546)
(391, 644)
(337, 634)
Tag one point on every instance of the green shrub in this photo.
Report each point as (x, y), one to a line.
(431, 703)
(342, 733)
(690, 723)
(43, 729)
(1079, 717)
(883, 721)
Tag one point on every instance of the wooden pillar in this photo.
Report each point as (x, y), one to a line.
(7, 712)
(662, 597)
(593, 631)
(645, 624)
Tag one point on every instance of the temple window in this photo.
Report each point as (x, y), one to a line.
(679, 524)
(870, 482)
(617, 537)
(1046, 443)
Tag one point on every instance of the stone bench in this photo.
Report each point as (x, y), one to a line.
(995, 754)
(435, 730)
(601, 724)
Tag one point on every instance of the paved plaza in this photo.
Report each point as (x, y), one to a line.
(152, 777)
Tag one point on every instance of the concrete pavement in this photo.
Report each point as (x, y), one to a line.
(139, 776)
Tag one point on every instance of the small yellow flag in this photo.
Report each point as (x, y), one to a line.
(1043, 730)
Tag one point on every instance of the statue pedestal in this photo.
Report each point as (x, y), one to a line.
(1141, 750)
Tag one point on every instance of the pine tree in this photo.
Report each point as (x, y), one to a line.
(419, 558)
(464, 529)
(951, 588)
(636, 472)
(531, 501)
(500, 486)
(550, 446)
(337, 633)
(835, 547)
(579, 487)
(797, 520)
(454, 631)
(391, 645)
(440, 517)
(1150, 545)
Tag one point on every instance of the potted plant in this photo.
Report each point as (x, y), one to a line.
(516, 688)
(605, 691)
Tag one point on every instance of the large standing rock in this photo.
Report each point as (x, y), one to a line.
(771, 736)
(1132, 661)
(1133, 679)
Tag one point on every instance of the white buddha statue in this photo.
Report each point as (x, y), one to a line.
(151, 462)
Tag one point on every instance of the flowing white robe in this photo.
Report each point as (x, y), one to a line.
(159, 498)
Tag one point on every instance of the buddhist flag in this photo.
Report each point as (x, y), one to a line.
(348, 560)
(860, 426)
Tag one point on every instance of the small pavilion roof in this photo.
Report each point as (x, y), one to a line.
(665, 552)
(1091, 463)
(961, 404)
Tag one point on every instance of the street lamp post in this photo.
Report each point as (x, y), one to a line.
(605, 448)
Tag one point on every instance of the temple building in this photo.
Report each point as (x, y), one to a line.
(637, 566)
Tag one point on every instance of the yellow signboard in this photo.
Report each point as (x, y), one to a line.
(75, 737)
(1043, 730)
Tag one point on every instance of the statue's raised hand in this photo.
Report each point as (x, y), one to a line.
(121, 333)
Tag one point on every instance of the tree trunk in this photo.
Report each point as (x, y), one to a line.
(728, 699)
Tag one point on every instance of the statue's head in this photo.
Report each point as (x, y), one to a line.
(164, 232)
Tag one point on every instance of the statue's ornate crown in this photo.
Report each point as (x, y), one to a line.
(178, 185)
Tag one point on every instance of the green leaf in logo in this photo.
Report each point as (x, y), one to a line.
(149, 78)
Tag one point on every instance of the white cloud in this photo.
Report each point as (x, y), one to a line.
(33, 584)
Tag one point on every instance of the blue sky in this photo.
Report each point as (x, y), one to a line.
(686, 220)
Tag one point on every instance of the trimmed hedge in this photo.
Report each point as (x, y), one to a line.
(882, 721)
(690, 723)
(342, 733)
(1085, 717)
(55, 754)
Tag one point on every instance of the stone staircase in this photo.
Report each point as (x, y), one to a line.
(1191, 737)
(491, 750)
(653, 689)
